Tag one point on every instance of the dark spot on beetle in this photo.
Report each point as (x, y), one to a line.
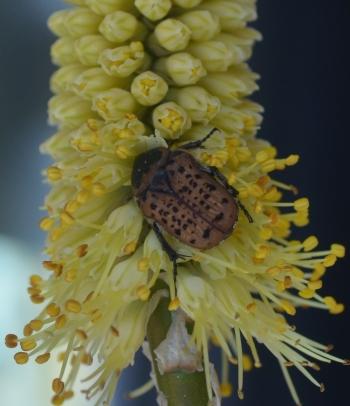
(190, 221)
(224, 200)
(161, 211)
(181, 169)
(188, 176)
(171, 161)
(219, 217)
(206, 233)
(166, 213)
(202, 202)
(185, 227)
(153, 206)
(169, 205)
(178, 231)
(175, 209)
(206, 196)
(210, 187)
(197, 176)
(164, 220)
(194, 184)
(184, 189)
(193, 241)
(207, 207)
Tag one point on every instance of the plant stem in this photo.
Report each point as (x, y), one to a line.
(180, 388)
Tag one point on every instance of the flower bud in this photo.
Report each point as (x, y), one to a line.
(172, 34)
(69, 111)
(62, 79)
(123, 61)
(56, 23)
(231, 14)
(187, 3)
(182, 68)
(104, 7)
(171, 120)
(120, 27)
(93, 81)
(89, 48)
(81, 21)
(149, 89)
(231, 85)
(203, 24)
(114, 104)
(63, 52)
(214, 55)
(153, 10)
(201, 106)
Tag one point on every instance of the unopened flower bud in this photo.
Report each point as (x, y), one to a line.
(149, 89)
(215, 55)
(93, 81)
(120, 27)
(63, 78)
(56, 23)
(182, 68)
(203, 24)
(187, 3)
(173, 35)
(104, 7)
(81, 21)
(201, 106)
(63, 52)
(69, 110)
(89, 48)
(154, 10)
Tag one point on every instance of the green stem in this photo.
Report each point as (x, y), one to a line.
(180, 388)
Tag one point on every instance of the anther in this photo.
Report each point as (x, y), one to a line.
(41, 359)
(174, 304)
(21, 358)
(57, 386)
(11, 341)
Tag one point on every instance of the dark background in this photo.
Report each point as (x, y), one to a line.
(305, 91)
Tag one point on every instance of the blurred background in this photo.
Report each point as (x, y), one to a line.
(305, 91)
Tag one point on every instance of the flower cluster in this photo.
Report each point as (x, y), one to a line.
(134, 75)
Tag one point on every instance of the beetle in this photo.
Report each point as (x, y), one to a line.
(192, 202)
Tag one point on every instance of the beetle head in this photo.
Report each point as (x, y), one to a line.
(145, 167)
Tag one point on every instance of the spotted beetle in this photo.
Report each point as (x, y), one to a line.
(191, 202)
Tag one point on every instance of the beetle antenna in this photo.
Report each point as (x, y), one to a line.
(199, 143)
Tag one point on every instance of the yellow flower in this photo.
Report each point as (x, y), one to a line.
(131, 76)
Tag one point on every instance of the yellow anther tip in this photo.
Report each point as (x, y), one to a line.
(21, 358)
(330, 260)
(226, 390)
(302, 204)
(73, 306)
(143, 265)
(310, 243)
(57, 386)
(143, 293)
(11, 341)
(247, 363)
(338, 250)
(174, 304)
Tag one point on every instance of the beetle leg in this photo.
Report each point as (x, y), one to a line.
(199, 143)
(172, 254)
(234, 192)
